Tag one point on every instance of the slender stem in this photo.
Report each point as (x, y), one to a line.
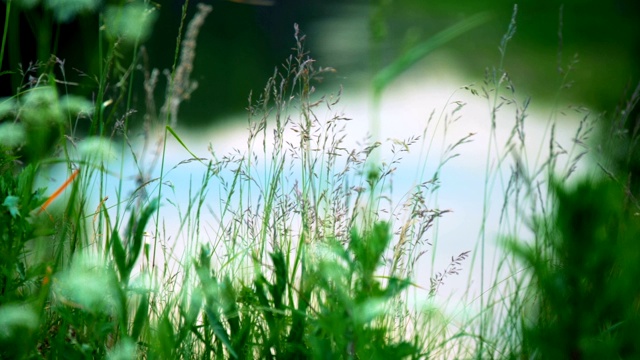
(164, 142)
(5, 31)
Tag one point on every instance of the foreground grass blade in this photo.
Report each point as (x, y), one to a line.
(278, 289)
(218, 329)
(125, 261)
(141, 316)
(119, 255)
(230, 307)
(136, 246)
(175, 135)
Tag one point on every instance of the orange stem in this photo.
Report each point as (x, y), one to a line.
(59, 191)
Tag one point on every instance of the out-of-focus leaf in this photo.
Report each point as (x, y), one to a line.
(142, 313)
(12, 134)
(387, 75)
(131, 22)
(218, 329)
(125, 349)
(119, 255)
(138, 235)
(15, 318)
(12, 204)
(89, 283)
(66, 10)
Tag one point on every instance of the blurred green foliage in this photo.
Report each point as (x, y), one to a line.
(604, 34)
(586, 279)
(241, 44)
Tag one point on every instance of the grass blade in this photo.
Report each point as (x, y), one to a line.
(141, 316)
(119, 255)
(136, 245)
(175, 135)
(218, 329)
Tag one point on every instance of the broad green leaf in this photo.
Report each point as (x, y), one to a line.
(119, 255)
(125, 349)
(218, 329)
(368, 249)
(12, 204)
(15, 319)
(90, 284)
(138, 235)
(131, 22)
(142, 313)
(264, 302)
(165, 337)
(229, 306)
(66, 10)
(278, 289)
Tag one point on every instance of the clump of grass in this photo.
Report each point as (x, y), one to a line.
(308, 254)
(587, 305)
(547, 297)
(290, 213)
(292, 271)
(582, 302)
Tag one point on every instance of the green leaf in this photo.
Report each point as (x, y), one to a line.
(138, 235)
(264, 302)
(141, 316)
(395, 286)
(12, 135)
(166, 342)
(277, 290)
(218, 329)
(368, 249)
(12, 204)
(119, 255)
(131, 22)
(64, 11)
(189, 314)
(229, 305)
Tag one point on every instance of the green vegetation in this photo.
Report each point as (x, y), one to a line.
(309, 256)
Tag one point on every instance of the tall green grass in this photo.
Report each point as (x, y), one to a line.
(309, 255)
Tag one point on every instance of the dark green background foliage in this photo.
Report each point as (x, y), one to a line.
(240, 45)
(16, 230)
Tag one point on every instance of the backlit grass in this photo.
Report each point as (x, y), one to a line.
(296, 245)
